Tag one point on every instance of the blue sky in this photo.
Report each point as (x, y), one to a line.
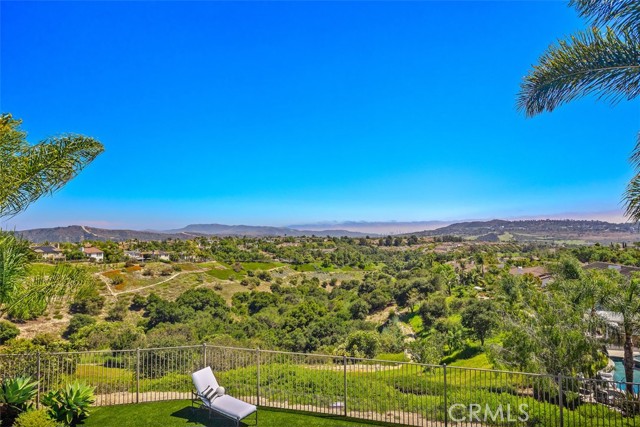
(289, 112)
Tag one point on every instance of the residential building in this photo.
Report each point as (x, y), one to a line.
(93, 254)
(49, 253)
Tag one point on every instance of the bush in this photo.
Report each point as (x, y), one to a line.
(17, 394)
(8, 331)
(167, 271)
(147, 272)
(35, 418)
(138, 302)
(87, 301)
(70, 404)
(118, 312)
(77, 322)
(117, 280)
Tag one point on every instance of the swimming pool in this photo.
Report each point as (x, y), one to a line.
(618, 374)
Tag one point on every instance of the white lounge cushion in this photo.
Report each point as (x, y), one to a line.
(213, 396)
(232, 407)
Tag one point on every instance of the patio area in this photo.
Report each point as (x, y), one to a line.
(179, 413)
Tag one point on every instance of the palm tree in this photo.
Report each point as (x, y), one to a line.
(24, 294)
(603, 61)
(626, 301)
(31, 171)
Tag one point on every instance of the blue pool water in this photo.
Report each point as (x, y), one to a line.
(618, 374)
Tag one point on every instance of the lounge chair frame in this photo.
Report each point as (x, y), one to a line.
(198, 401)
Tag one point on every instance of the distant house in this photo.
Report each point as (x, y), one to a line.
(539, 272)
(134, 255)
(625, 270)
(92, 253)
(50, 253)
(156, 255)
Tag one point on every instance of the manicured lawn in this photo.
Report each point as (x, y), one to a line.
(179, 413)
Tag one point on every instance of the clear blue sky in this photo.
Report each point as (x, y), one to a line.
(289, 112)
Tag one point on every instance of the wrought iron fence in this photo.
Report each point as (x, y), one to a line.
(403, 393)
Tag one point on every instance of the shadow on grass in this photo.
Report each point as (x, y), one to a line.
(202, 417)
(467, 353)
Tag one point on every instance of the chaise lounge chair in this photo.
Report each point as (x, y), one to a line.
(213, 397)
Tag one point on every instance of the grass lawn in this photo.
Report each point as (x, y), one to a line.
(179, 413)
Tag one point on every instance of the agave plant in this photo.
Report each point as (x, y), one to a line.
(70, 404)
(16, 395)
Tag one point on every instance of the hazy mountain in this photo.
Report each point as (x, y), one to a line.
(374, 227)
(258, 231)
(536, 230)
(78, 233)
(495, 230)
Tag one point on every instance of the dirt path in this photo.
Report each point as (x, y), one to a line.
(115, 294)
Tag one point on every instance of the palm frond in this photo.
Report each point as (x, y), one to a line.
(42, 169)
(592, 62)
(33, 296)
(632, 194)
(14, 258)
(622, 15)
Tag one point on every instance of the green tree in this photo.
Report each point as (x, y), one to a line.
(31, 171)
(626, 300)
(603, 61)
(480, 318)
(24, 295)
(362, 344)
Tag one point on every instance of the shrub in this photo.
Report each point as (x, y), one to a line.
(118, 312)
(17, 395)
(35, 418)
(167, 271)
(138, 302)
(70, 404)
(147, 272)
(117, 280)
(8, 331)
(87, 301)
(77, 322)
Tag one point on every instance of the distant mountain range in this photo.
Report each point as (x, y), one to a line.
(539, 230)
(79, 233)
(495, 230)
(374, 227)
(258, 231)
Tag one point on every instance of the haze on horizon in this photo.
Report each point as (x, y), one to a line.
(301, 113)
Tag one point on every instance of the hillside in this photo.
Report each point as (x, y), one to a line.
(540, 230)
(259, 231)
(78, 233)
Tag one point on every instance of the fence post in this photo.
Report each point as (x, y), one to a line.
(38, 375)
(446, 410)
(204, 354)
(138, 375)
(344, 365)
(258, 376)
(560, 400)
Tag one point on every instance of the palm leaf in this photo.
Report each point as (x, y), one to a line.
(622, 15)
(592, 62)
(42, 169)
(632, 194)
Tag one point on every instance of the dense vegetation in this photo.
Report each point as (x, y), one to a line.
(399, 298)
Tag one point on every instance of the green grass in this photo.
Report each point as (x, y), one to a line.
(393, 357)
(415, 321)
(226, 274)
(179, 413)
(41, 268)
(261, 265)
